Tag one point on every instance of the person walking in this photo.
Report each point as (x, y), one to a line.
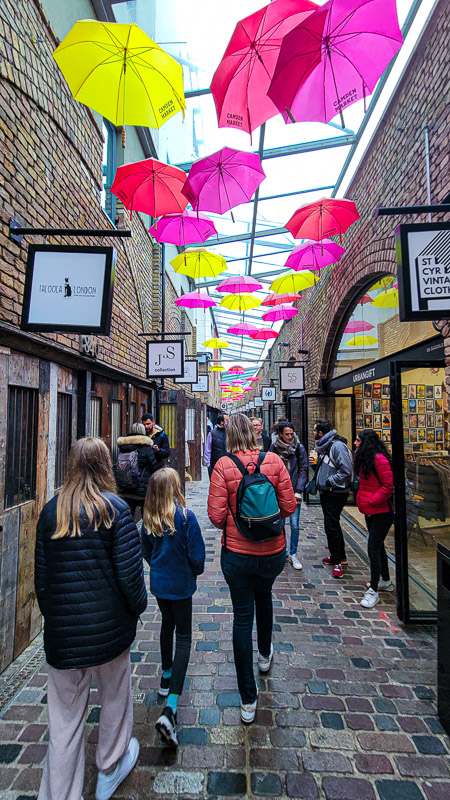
(160, 440)
(90, 588)
(173, 546)
(215, 446)
(295, 459)
(262, 440)
(334, 471)
(249, 567)
(372, 466)
(133, 472)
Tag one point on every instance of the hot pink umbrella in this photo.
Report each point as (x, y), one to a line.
(265, 334)
(239, 284)
(325, 217)
(357, 40)
(183, 229)
(236, 370)
(314, 255)
(253, 378)
(237, 383)
(242, 329)
(195, 300)
(283, 311)
(223, 180)
(274, 299)
(357, 327)
(150, 186)
(241, 80)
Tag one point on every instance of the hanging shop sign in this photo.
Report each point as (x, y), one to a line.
(292, 379)
(258, 402)
(202, 384)
(165, 359)
(223, 406)
(251, 404)
(190, 373)
(268, 393)
(423, 259)
(68, 288)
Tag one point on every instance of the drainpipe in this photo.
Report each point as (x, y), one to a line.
(427, 166)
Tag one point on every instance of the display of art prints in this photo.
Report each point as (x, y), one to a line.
(376, 406)
(438, 407)
(421, 434)
(386, 421)
(413, 420)
(377, 421)
(367, 406)
(367, 420)
(359, 421)
(367, 390)
(420, 390)
(386, 390)
(413, 434)
(376, 390)
(412, 390)
(406, 435)
(430, 420)
(437, 392)
(439, 420)
(439, 434)
(421, 406)
(404, 392)
(429, 392)
(386, 436)
(429, 404)
(412, 406)
(405, 406)
(357, 390)
(430, 435)
(359, 405)
(421, 421)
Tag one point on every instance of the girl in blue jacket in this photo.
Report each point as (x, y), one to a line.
(173, 546)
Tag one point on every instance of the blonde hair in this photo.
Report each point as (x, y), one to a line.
(89, 473)
(240, 434)
(163, 495)
(138, 428)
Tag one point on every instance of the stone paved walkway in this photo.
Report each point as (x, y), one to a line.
(347, 711)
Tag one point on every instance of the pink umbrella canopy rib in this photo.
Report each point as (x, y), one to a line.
(264, 334)
(274, 299)
(314, 255)
(358, 326)
(195, 300)
(183, 229)
(223, 180)
(324, 218)
(150, 186)
(239, 285)
(283, 311)
(242, 329)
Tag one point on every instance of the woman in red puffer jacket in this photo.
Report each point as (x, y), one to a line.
(374, 498)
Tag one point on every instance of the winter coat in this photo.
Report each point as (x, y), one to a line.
(90, 588)
(225, 481)
(335, 464)
(160, 438)
(266, 442)
(373, 495)
(218, 445)
(146, 458)
(175, 559)
(297, 468)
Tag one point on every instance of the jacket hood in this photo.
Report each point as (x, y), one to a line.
(133, 439)
(156, 429)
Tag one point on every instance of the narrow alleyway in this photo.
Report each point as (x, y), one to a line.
(347, 712)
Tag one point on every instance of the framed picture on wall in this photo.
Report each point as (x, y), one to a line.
(438, 407)
(405, 406)
(367, 420)
(430, 435)
(421, 405)
(429, 404)
(367, 406)
(413, 420)
(439, 446)
(417, 448)
(429, 392)
(367, 390)
(404, 392)
(376, 390)
(359, 421)
(420, 390)
(359, 405)
(406, 435)
(438, 392)
(377, 421)
(387, 405)
(413, 434)
(386, 436)
(376, 406)
(439, 434)
(358, 390)
(386, 421)
(439, 420)
(412, 390)
(412, 405)
(430, 420)
(406, 420)
(421, 434)
(386, 390)
(421, 421)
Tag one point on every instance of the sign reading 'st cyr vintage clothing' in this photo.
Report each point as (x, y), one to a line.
(423, 257)
(165, 359)
(68, 289)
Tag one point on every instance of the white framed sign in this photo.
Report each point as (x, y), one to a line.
(268, 393)
(202, 384)
(165, 359)
(251, 404)
(190, 373)
(258, 402)
(423, 260)
(223, 406)
(292, 379)
(68, 288)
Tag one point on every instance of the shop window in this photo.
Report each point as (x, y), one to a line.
(96, 416)
(21, 449)
(108, 200)
(63, 436)
(116, 427)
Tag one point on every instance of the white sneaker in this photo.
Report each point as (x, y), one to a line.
(107, 784)
(296, 563)
(370, 599)
(265, 662)
(384, 586)
(248, 711)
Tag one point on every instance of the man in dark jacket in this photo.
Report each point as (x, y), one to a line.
(160, 440)
(262, 440)
(216, 445)
(147, 463)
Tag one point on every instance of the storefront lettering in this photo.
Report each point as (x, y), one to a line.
(364, 376)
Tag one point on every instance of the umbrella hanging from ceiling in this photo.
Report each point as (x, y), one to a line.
(223, 180)
(216, 344)
(361, 341)
(274, 299)
(199, 263)
(240, 302)
(183, 229)
(238, 284)
(294, 282)
(264, 334)
(195, 300)
(242, 329)
(150, 186)
(314, 255)
(357, 326)
(284, 311)
(388, 299)
(324, 218)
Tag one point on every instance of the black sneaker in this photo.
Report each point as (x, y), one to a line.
(163, 690)
(165, 725)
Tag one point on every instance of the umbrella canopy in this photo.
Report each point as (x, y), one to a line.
(274, 299)
(216, 344)
(264, 334)
(326, 217)
(388, 299)
(361, 341)
(333, 58)
(294, 282)
(240, 302)
(242, 329)
(283, 311)
(199, 264)
(223, 180)
(194, 300)
(239, 283)
(236, 370)
(150, 186)
(366, 299)
(240, 83)
(120, 72)
(358, 326)
(314, 255)
(217, 368)
(183, 229)
(383, 283)
(237, 382)
(253, 378)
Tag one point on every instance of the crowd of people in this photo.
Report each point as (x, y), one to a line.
(89, 574)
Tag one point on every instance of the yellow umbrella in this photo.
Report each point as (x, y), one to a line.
(216, 344)
(199, 263)
(240, 302)
(120, 72)
(294, 282)
(387, 299)
(361, 341)
(383, 283)
(217, 368)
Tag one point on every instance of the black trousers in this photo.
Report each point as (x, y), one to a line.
(378, 526)
(176, 616)
(332, 504)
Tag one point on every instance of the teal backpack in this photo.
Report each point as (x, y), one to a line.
(258, 515)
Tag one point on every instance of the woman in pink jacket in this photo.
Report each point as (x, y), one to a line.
(374, 498)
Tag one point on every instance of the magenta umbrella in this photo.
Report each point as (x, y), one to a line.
(239, 284)
(283, 311)
(223, 180)
(265, 334)
(349, 44)
(314, 255)
(357, 327)
(195, 300)
(236, 370)
(183, 229)
(242, 329)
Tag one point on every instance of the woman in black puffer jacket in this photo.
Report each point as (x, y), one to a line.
(90, 587)
(148, 464)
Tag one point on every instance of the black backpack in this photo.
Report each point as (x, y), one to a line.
(127, 471)
(258, 514)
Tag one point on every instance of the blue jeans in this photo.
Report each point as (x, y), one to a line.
(294, 520)
(250, 580)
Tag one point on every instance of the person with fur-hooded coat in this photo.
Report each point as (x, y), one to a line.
(137, 440)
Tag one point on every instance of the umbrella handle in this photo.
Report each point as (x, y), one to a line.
(123, 137)
(289, 113)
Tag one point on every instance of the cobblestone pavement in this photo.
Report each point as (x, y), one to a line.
(347, 712)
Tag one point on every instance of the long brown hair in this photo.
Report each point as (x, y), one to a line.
(163, 495)
(89, 473)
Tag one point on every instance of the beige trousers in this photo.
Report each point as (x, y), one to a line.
(68, 700)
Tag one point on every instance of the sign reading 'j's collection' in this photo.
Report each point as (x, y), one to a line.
(423, 257)
(69, 289)
(165, 359)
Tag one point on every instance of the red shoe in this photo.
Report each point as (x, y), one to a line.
(328, 560)
(338, 572)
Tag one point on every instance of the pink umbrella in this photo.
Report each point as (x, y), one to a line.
(183, 229)
(241, 80)
(357, 327)
(236, 370)
(150, 186)
(242, 329)
(326, 217)
(314, 255)
(357, 39)
(283, 311)
(237, 382)
(265, 334)
(253, 378)
(195, 300)
(274, 299)
(223, 180)
(239, 284)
